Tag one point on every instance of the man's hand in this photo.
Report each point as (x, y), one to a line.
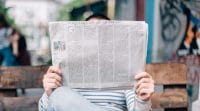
(52, 80)
(144, 86)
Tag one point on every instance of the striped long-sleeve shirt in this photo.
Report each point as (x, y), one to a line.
(112, 100)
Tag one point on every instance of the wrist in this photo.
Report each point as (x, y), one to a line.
(48, 92)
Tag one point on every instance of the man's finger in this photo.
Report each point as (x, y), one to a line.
(144, 96)
(149, 91)
(55, 76)
(141, 86)
(142, 75)
(143, 80)
(52, 80)
(144, 86)
(52, 86)
(54, 69)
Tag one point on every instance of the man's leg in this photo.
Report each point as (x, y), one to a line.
(64, 99)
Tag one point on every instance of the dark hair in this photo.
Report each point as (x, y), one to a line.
(24, 57)
(3, 21)
(22, 41)
(97, 15)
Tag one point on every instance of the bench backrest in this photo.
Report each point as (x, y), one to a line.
(172, 77)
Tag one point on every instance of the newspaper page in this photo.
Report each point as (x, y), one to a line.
(103, 54)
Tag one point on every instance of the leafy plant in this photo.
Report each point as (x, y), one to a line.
(64, 13)
(4, 12)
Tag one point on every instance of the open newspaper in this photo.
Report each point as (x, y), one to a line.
(103, 54)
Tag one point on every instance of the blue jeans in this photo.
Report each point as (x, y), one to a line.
(8, 57)
(64, 99)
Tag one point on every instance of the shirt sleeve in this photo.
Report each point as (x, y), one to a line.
(43, 103)
(136, 104)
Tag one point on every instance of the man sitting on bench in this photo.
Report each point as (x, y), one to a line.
(61, 98)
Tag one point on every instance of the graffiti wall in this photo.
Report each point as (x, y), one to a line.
(177, 37)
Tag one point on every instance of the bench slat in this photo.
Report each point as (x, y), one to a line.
(170, 99)
(22, 76)
(19, 103)
(168, 74)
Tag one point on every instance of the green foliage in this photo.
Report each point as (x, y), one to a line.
(4, 12)
(64, 14)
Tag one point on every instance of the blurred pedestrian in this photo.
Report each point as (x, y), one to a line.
(7, 58)
(19, 48)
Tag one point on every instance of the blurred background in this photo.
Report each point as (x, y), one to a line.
(174, 29)
(31, 18)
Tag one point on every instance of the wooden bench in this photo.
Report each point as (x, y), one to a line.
(172, 77)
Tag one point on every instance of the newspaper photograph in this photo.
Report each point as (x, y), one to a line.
(103, 54)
